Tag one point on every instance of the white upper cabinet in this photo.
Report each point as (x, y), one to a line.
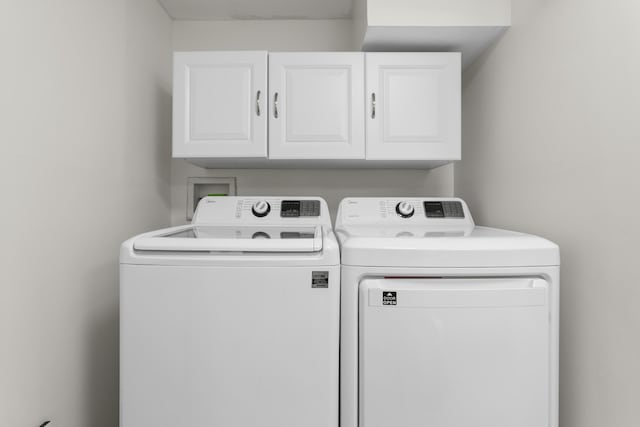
(316, 105)
(413, 106)
(219, 104)
(335, 109)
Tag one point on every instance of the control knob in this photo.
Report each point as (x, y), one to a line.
(405, 209)
(261, 208)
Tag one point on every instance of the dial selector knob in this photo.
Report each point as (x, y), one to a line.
(261, 208)
(405, 209)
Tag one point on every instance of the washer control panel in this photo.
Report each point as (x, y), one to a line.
(263, 210)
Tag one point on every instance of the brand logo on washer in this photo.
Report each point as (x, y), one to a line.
(389, 298)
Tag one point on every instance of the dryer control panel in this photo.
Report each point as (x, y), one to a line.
(405, 211)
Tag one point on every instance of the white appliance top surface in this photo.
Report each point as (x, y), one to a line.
(239, 228)
(431, 232)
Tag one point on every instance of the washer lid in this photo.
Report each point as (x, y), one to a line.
(232, 239)
(445, 247)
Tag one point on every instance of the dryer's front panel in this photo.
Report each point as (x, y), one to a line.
(454, 352)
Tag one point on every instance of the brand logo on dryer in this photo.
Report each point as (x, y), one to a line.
(389, 298)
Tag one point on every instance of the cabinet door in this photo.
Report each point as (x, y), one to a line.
(316, 109)
(219, 104)
(413, 106)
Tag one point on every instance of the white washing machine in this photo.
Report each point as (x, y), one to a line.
(444, 323)
(234, 320)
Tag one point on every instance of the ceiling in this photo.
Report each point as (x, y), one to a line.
(257, 9)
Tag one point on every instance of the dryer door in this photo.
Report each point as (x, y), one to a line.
(454, 352)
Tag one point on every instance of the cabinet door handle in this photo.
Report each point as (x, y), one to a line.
(373, 105)
(258, 103)
(275, 105)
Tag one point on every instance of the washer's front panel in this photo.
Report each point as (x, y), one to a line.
(232, 347)
(454, 353)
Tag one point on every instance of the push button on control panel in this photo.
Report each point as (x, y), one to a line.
(453, 209)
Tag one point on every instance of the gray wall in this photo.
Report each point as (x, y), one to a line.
(551, 142)
(85, 109)
(333, 185)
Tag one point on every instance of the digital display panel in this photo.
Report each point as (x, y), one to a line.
(298, 208)
(446, 209)
(433, 209)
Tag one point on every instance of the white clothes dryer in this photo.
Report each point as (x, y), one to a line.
(444, 323)
(233, 320)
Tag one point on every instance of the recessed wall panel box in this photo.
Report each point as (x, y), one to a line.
(199, 187)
